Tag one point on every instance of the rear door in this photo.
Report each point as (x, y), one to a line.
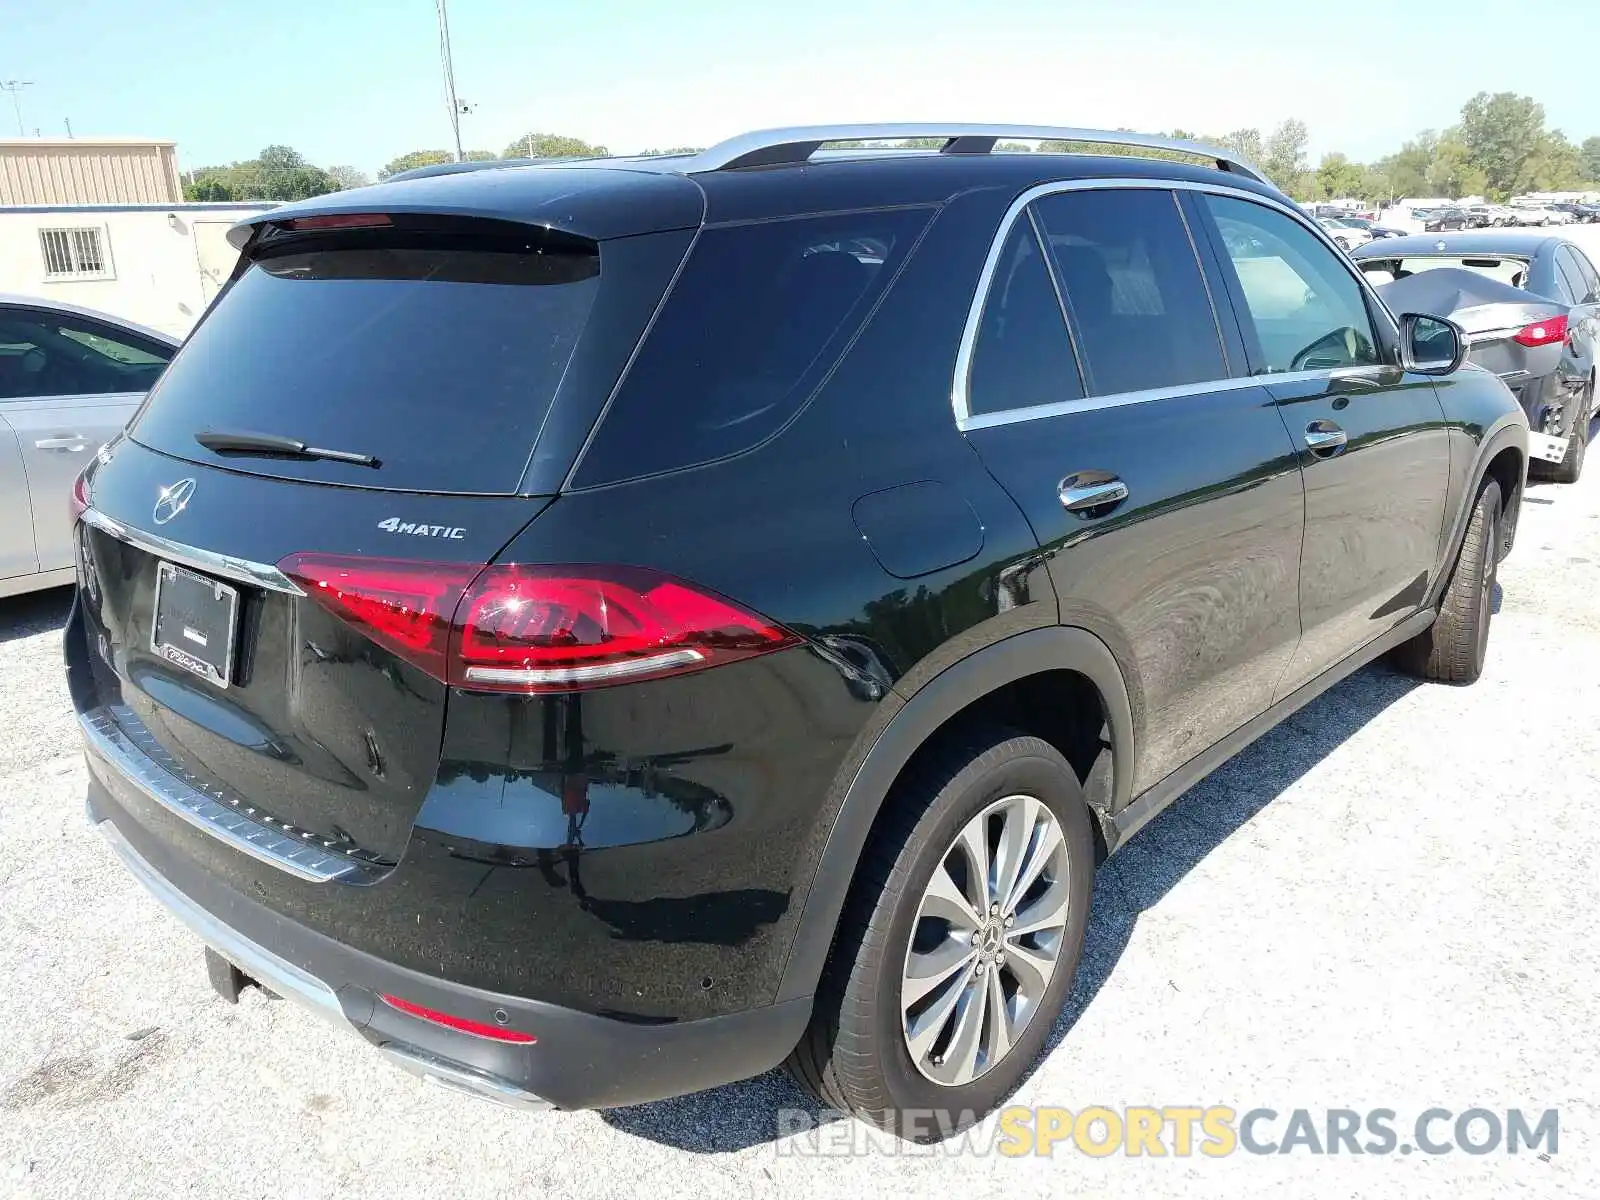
(1371, 438)
(68, 384)
(16, 536)
(1164, 492)
(1583, 320)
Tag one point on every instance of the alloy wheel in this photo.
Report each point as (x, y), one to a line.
(986, 940)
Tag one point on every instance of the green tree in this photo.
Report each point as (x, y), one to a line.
(207, 186)
(1246, 143)
(277, 173)
(1590, 151)
(671, 150)
(1555, 165)
(1501, 133)
(345, 178)
(552, 145)
(1284, 153)
(1338, 176)
(1454, 172)
(427, 158)
(1407, 168)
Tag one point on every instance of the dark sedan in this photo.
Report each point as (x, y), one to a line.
(1440, 220)
(1557, 391)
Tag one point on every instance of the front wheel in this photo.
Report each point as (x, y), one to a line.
(1454, 647)
(958, 942)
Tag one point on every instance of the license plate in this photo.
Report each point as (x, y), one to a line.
(194, 624)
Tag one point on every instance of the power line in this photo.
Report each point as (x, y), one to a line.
(15, 86)
(446, 62)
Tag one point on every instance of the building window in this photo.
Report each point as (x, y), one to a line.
(75, 254)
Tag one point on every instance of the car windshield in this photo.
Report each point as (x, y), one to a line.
(1500, 268)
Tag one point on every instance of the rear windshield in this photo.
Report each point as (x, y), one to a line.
(439, 361)
(1504, 270)
(754, 324)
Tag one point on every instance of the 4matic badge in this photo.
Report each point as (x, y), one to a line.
(396, 525)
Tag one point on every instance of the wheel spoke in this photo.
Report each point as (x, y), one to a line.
(1048, 911)
(974, 843)
(961, 1056)
(927, 970)
(948, 902)
(924, 1031)
(1016, 836)
(1032, 970)
(999, 1035)
(1042, 847)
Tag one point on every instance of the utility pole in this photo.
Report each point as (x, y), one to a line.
(68, 122)
(449, 74)
(15, 86)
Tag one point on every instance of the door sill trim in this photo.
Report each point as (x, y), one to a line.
(1146, 807)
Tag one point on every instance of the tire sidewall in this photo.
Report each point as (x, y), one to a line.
(1489, 504)
(1051, 781)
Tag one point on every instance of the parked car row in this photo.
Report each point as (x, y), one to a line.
(577, 748)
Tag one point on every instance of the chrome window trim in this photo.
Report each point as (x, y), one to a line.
(959, 396)
(228, 566)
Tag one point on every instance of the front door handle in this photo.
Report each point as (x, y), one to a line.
(1089, 492)
(1325, 438)
(73, 441)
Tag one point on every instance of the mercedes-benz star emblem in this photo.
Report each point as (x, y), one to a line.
(173, 500)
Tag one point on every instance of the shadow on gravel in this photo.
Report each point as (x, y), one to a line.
(746, 1114)
(36, 612)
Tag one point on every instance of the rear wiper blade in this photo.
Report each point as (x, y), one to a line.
(238, 441)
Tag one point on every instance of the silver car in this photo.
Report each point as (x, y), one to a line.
(70, 378)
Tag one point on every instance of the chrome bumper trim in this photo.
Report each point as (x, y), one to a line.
(261, 964)
(457, 1078)
(140, 760)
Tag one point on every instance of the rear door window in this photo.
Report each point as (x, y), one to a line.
(1133, 289)
(1022, 356)
(1305, 307)
(438, 357)
(758, 317)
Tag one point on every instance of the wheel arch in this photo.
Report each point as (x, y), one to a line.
(918, 722)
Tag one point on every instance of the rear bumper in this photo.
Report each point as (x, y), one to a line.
(578, 1060)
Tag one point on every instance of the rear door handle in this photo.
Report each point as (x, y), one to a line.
(1326, 438)
(1089, 491)
(73, 441)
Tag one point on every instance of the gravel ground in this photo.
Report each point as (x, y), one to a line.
(1381, 904)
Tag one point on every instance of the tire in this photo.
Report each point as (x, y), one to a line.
(1453, 648)
(1570, 468)
(857, 1055)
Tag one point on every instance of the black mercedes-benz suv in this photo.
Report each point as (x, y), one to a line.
(599, 630)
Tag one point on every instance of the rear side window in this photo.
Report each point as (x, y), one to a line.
(1591, 280)
(758, 317)
(1022, 356)
(1133, 287)
(439, 359)
(1567, 264)
(60, 354)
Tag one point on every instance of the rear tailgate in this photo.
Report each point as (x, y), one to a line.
(324, 732)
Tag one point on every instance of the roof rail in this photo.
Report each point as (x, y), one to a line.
(775, 147)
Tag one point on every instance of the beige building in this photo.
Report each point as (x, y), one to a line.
(159, 265)
(88, 171)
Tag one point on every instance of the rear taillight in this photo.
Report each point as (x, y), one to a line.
(535, 629)
(1542, 333)
(339, 221)
(79, 503)
(481, 1029)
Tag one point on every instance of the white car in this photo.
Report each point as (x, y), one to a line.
(1538, 214)
(70, 378)
(1348, 234)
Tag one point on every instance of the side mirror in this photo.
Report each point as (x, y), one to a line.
(1431, 345)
